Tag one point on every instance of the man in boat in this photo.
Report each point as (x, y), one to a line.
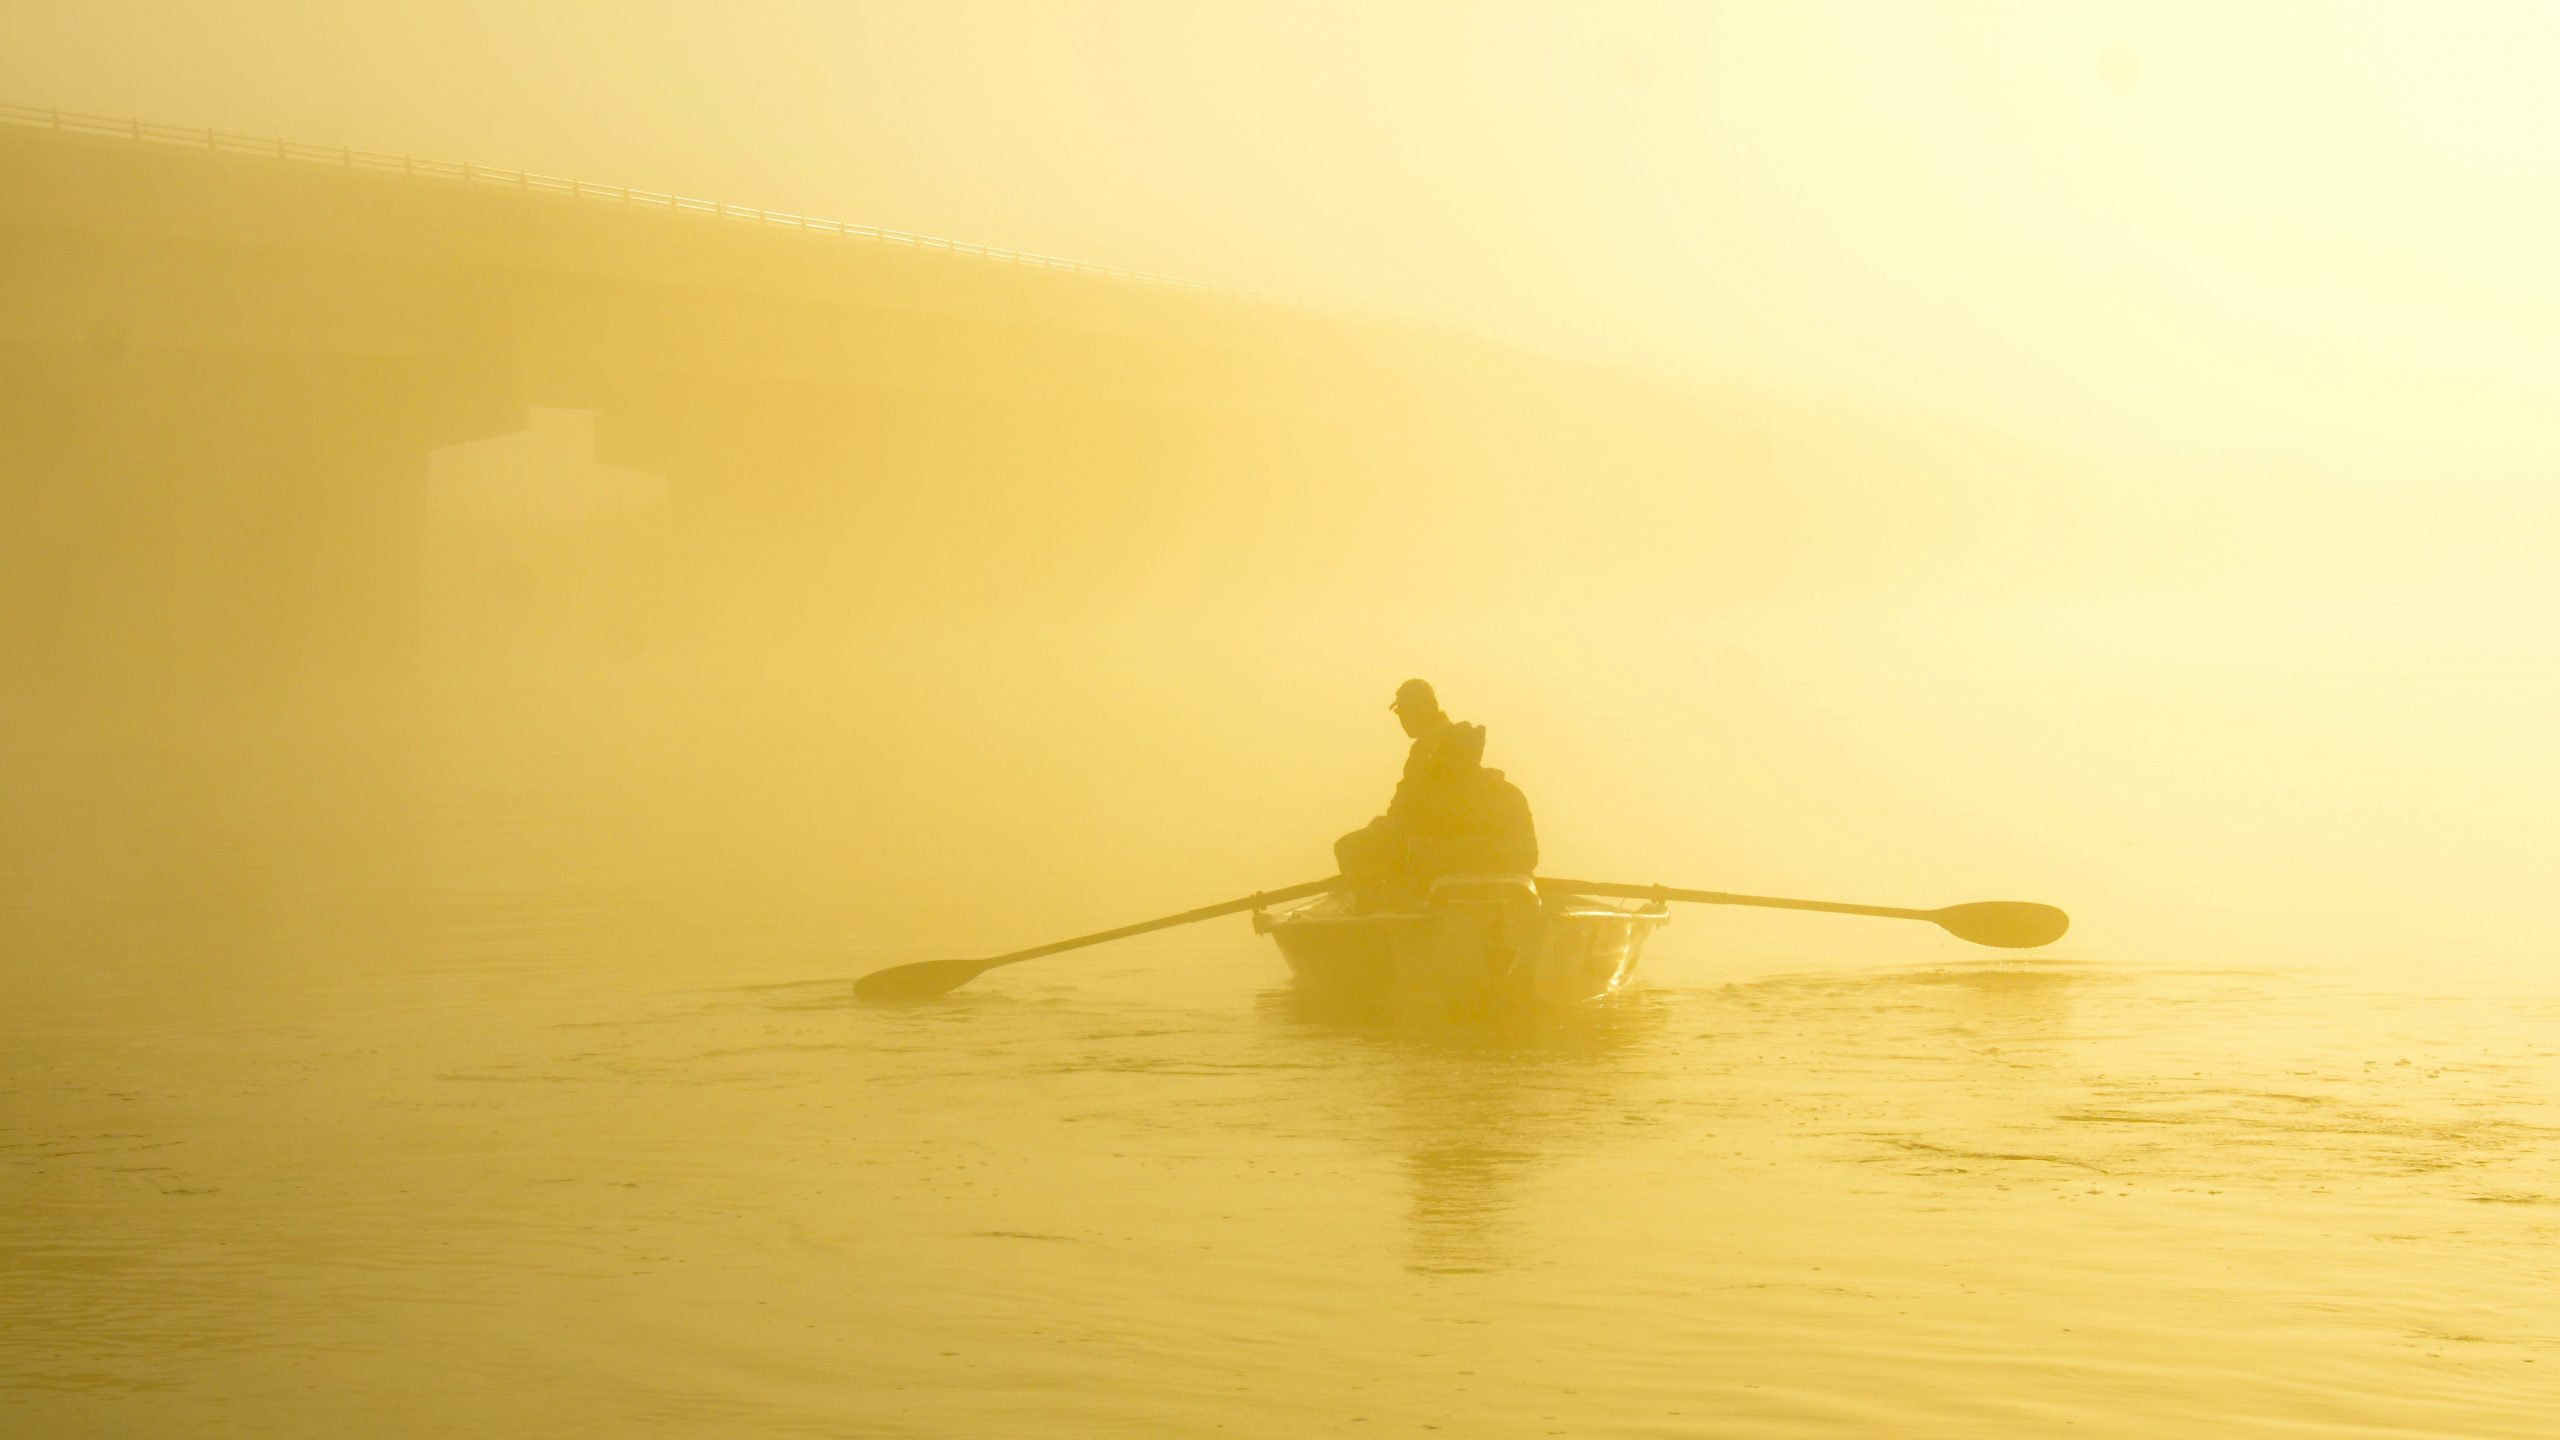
(1449, 815)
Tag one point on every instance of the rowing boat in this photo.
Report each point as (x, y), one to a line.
(1475, 943)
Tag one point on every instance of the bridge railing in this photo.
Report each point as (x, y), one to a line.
(570, 187)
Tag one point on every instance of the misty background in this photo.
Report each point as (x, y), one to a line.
(2098, 457)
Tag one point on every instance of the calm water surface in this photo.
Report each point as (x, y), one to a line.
(422, 1151)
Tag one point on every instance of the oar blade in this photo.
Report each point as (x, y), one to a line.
(2009, 924)
(920, 981)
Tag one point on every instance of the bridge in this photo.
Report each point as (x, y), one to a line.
(249, 384)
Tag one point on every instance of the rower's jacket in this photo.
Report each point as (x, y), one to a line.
(1481, 827)
(1440, 759)
(1457, 816)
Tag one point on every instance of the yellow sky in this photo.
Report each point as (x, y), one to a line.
(2263, 606)
(2315, 232)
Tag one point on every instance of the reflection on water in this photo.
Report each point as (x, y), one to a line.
(1476, 1109)
(436, 1149)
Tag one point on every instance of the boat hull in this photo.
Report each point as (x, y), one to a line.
(1477, 943)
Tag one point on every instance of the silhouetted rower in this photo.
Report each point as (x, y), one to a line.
(1449, 815)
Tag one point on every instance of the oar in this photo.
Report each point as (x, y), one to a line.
(927, 978)
(2010, 924)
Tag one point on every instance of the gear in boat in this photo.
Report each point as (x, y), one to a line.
(1473, 942)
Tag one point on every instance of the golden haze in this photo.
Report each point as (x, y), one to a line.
(2099, 456)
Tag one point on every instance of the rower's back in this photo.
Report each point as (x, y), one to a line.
(1471, 819)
